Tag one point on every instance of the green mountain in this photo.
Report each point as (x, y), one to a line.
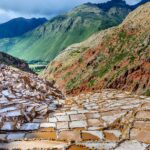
(19, 26)
(48, 40)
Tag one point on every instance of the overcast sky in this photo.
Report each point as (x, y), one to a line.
(10, 9)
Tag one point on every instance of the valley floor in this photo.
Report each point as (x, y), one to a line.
(106, 120)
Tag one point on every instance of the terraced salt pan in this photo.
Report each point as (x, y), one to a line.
(39, 117)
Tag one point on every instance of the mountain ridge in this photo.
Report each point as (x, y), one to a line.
(114, 58)
(47, 41)
(19, 26)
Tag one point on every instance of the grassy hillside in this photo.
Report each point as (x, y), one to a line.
(50, 39)
(118, 57)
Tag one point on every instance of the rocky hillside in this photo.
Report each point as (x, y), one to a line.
(15, 62)
(19, 26)
(115, 58)
(47, 41)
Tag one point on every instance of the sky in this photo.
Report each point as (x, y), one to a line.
(10, 9)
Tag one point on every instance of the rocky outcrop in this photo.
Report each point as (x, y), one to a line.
(15, 62)
(134, 79)
(114, 58)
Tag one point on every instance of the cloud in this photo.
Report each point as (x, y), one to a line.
(40, 8)
(132, 2)
(6, 15)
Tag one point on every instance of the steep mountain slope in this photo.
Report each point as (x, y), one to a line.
(15, 62)
(19, 26)
(47, 41)
(115, 58)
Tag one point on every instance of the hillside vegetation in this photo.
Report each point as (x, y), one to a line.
(115, 58)
(47, 41)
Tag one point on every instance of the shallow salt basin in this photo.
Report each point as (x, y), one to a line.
(26, 145)
(100, 127)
